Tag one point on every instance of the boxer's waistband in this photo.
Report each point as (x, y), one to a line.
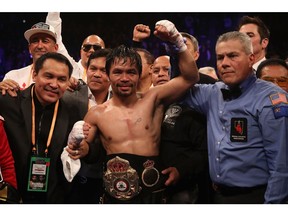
(128, 175)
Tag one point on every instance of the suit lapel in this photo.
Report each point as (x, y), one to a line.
(26, 108)
(83, 97)
(59, 138)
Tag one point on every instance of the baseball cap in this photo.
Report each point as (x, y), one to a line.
(40, 27)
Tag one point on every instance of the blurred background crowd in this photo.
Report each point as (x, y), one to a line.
(117, 28)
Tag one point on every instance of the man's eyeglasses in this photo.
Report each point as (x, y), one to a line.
(87, 47)
(281, 81)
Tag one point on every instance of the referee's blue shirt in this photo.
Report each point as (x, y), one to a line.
(257, 155)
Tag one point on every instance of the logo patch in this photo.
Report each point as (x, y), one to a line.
(278, 98)
(171, 115)
(280, 111)
(238, 130)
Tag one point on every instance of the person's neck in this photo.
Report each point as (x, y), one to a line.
(144, 85)
(100, 97)
(39, 101)
(258, 57)
(84, 64)
(125, 101)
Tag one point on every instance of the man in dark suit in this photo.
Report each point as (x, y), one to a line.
(88, 184)
(37, 123)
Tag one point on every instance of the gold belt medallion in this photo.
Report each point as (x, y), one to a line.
(121, 180)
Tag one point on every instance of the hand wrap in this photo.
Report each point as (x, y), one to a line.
(175, 38)
(76, 135)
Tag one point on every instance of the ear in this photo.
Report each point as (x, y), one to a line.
(150, 69)
(265, 43)
(56, 47)
(29, 50)
(252, 59)
(34, 74)
(196, 55)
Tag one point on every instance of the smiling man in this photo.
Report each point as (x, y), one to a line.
(129, 127)
(38, 123)
(41, 39)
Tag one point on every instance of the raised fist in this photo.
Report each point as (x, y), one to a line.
(166, 31)
(141, 32)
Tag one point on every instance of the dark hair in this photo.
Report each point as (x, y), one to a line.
(98, 54)
(268, 62)
(124, 53)
(55, 56)
(147, 55)
(262, 28)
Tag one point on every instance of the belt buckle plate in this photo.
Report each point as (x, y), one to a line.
(121, 180)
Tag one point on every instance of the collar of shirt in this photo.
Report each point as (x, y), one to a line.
(255, 65)
(91, 98)
(245, 84)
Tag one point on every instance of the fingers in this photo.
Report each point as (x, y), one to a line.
(73, 153)
(86, 128)
(70, 89)
(142, 28)
(73, 84)
(161, 32)
(77, 152)
(12, 92)
(3, 91)
(9, 84)
(141, 32)
(173, 175)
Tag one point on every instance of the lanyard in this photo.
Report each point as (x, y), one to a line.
(51, 127)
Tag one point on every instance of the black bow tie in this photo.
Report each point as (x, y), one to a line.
(231, 94)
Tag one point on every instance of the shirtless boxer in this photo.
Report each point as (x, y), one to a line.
(129, 127)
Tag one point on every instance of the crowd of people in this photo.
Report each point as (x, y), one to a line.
(204, 26)
(123, 125)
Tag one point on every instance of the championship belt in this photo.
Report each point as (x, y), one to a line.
(121, 180)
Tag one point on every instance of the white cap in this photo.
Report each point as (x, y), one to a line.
(40, 27)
